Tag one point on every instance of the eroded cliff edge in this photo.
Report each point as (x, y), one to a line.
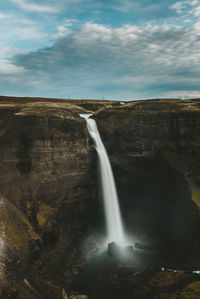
(49, 189)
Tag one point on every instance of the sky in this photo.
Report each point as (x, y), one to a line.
(108, 49)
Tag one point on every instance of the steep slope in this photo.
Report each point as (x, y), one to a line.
(46, 178)
(154, 149)
(50, 209)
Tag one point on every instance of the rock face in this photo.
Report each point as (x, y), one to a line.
(154, 150)
(48, 194)
(49, 203)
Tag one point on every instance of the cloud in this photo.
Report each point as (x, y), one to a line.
(95, 43)
(23, 4)
(187, 8)
(6, 52)
(64, 29)
(28, 33)
(22, 33)
(7, 68)
(134, 60)
(3, 16)
(142, 9)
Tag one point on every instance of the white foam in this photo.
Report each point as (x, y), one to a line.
(85, 115)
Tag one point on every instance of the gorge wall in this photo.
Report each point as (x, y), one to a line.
(50, 208)
(154, 149)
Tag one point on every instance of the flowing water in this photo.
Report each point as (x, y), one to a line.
(111, 205)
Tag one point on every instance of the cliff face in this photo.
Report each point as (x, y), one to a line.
(48, 193)
(49, 188)
(154, 149)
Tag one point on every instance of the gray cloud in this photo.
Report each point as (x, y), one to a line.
(151, 8)
(127, 62)
(23, 4)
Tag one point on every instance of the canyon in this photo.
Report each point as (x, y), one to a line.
(51, 212)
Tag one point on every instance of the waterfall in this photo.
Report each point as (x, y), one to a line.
(111, 205)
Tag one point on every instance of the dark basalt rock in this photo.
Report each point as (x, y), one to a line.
(50, 205)
(48, 186)
(154, 151)
(114, 250)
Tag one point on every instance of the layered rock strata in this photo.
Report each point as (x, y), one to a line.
(49, 203)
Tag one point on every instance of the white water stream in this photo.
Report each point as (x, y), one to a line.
(111, 205)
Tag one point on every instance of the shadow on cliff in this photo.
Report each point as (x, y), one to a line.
(156, 206)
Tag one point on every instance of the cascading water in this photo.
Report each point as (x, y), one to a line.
(111, 205)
